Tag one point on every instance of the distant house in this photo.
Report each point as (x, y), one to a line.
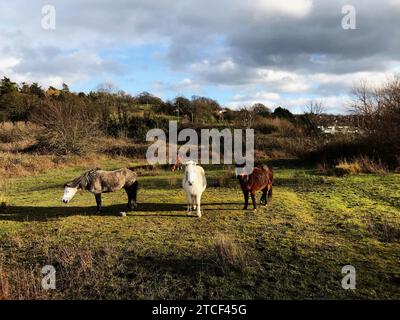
(338, 129)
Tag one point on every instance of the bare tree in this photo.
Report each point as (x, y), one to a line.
(107, 87)
(247, 116)
(315, 107)
(68, 126)
(379, 109)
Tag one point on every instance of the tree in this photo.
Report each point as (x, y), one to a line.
(65, 88)
(36, 90)
(204, 109)
(146, 98)
(247, 116)
(315, 108)
(183, 107)
(18, 106)
(313, 117)
(261, 110)
(379, 109)
(283, 113)
(7, 86)
(106, 87)
(24, 88)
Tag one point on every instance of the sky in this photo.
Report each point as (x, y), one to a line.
(279, 53)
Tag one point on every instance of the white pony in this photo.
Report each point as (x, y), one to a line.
(194, 183)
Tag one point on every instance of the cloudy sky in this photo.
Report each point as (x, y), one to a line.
(235, 51)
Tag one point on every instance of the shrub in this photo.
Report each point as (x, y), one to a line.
(370, 166)
(69, 126)
(347, 168)
(359, 165)
(124, 125)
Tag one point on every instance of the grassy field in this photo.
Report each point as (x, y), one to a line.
(292, 249)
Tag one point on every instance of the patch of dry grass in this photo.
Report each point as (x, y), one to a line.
(229, 254)
(16, 132)
(15, 165)
(78, 269)
(359, 165)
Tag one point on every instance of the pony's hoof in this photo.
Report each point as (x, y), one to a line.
(199, 215)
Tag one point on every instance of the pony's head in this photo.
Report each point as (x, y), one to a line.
(70, 188)
(69, 192)
(240, 173)
(190, 172)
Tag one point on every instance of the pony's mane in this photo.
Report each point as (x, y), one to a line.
(84, 179)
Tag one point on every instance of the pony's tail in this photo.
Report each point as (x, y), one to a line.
(270, 193)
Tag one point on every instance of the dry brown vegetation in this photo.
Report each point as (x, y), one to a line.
(229, 254)
(357, 165)
(67, 127)
(15, 165)
(79, 269)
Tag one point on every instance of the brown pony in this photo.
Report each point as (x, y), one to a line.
(178, 165)
(260, 179)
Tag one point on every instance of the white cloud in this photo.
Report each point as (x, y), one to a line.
(334, 104)
(7, 63)
(185, 86)
(349, 80)
(297, 8)
(267, 98)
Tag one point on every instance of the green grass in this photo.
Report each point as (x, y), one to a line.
(292, 249)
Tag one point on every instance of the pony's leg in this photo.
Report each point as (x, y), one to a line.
(198, 200)
(268, 195)
(98, 202)
(246, 199)
(263, 199)
(189, 203)
(132, 194)
(253, 200)
(194, 202)
(129, 194)
(134, 187)
(270, 192)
